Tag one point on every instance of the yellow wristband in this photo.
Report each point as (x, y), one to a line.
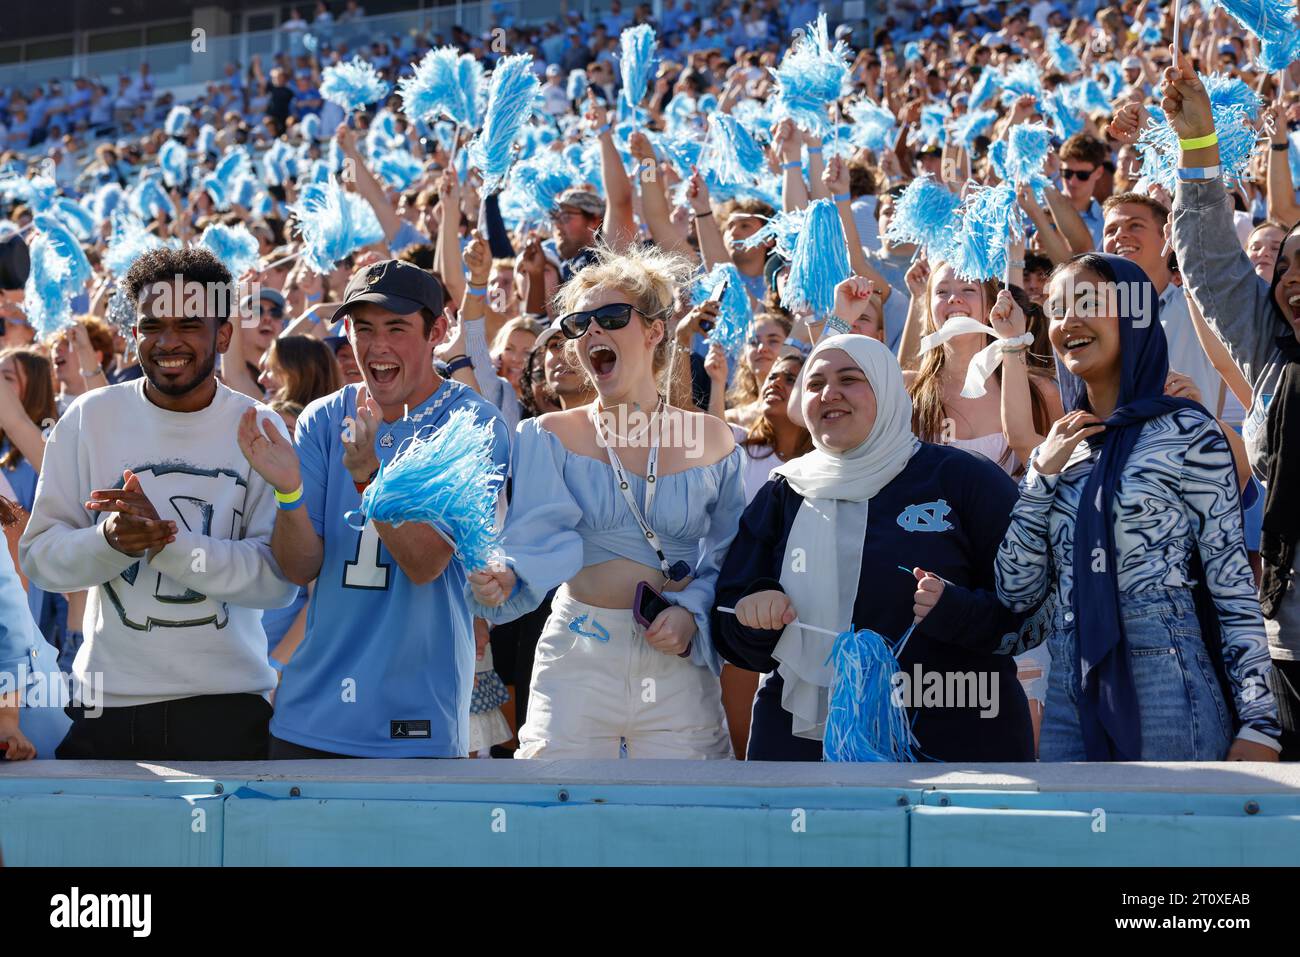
(290, 497)
(1200, 142)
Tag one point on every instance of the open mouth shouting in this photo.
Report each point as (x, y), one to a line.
(603, 359)
(1293, 303)
(383, 372)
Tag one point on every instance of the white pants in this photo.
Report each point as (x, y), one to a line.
(590, 696)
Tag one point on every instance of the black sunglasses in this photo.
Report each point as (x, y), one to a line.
(614, 316)
(1077, 173)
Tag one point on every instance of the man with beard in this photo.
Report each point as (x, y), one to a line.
(146, 501)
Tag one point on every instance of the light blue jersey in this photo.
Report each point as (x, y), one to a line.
(387, 666)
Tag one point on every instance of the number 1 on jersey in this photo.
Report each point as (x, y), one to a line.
(366, 570)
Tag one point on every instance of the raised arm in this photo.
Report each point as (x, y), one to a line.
(1008, 321)
(619, 224)
(713, 248)
(1280, 198)
(449, 261)
(654, 201)
(369, 188)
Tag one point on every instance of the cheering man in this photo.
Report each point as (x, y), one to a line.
(387, 665)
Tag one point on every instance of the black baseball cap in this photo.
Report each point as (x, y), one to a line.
(397, 286)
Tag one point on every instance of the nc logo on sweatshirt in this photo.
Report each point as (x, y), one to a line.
(926, 517)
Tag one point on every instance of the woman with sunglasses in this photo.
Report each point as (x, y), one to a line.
(611, 499)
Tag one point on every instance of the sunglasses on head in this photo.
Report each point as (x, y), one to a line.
(1077, 173)
(616, 315)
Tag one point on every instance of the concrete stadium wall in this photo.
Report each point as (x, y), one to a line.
(645, 813)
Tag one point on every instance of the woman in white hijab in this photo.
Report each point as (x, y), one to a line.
(822, 544)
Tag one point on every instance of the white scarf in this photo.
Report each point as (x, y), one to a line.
(985, 361)
(823, 557)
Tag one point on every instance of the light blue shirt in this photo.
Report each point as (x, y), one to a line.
(566, 514)
(387, 666)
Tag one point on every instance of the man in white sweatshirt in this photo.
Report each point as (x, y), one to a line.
(146, 501)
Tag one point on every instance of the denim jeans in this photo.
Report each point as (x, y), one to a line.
(1180, 706)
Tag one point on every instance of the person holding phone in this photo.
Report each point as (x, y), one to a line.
(628, 505)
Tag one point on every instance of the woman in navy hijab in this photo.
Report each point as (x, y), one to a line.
(1129, 524)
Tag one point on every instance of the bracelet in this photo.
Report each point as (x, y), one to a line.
(814, 149)
(1021, 347)
(90, 374)
(1200, 142)
(476, 290)
(288, 502)
(456, 363)
(1016, 263)
(1194, 173)
(314, 297)
(703, 214)
(1281, 147)
(843, 198)
(602, 130)
(795, 164)
(361, 486)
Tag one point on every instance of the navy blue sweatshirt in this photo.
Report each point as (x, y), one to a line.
(947, 512)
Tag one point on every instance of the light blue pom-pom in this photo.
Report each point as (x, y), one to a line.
(310, 127)
(1065, 118)
(104, 201)
(235, 246)
(636, 61)
(148, 199)
(972, 125)
(353, 85)
(449, 481)
(1060, 55)
(473, 88)
(1026, 151)
(977, 250)
(735, 310)
(932, 129)
(178, 118)
(219, 184)
(1114, 77)
(998, 158)
(1022, 79)
(512, 101)
(433, 90)
(38, 192)
(75, 217)
(67, 247)
(46, 301)
(873, 125)
(576, 86)
(985, 89)
(756, 118)
(812, 75)
(399, 169)
(820, 261)
(865, 720)
(128, 242)
(1273, 21)
(1150, 34)
(333, 223)
(174, 162)
(1233, 106)
(923, 214)
(207, 141)
(731, 153)
(912, 51)
(1087, 96)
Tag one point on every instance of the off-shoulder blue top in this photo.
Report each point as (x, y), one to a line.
(566, 513)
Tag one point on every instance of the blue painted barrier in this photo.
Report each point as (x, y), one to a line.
(645, 813)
